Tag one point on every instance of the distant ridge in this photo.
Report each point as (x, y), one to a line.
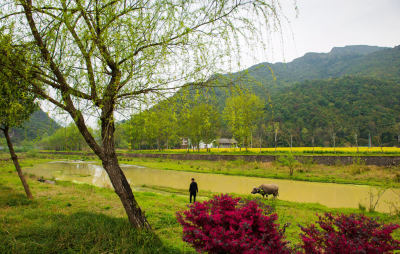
(357, 59)
(38, 126)
(355, 49)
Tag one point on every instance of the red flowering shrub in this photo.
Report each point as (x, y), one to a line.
(349, 234)
(220, 225)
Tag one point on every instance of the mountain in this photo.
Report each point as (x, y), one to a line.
(38, 126)
(349, 60)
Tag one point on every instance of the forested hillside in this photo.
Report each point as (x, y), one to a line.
(342, 108)
(347, 96)
(38, 126)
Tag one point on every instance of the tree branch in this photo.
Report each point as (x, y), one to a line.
(86, 56)
(64, 88)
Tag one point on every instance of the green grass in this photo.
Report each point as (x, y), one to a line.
(80, 218)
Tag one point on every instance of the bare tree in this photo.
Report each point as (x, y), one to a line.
(100, 56)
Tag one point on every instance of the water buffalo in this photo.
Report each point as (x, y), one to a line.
(266, 189)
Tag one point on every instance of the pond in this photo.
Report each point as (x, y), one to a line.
(328, 194)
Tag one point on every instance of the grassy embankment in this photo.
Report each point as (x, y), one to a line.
(68, 217)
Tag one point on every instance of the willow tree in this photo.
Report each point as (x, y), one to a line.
(100, 56)
(201, 124)
(16, 102)
(242, 112)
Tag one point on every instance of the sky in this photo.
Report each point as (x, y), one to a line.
(320, 25)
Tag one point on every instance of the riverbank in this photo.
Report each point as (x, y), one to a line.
(356, 173)
(68, 217)
(346, 174)
(382, 159)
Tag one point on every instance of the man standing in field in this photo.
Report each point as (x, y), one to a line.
(193, 190)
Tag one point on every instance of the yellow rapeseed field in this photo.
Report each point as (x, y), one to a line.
(305, 150)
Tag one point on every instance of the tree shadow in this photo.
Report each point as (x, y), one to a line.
(9, 197)
(81, 232)
(29, 226)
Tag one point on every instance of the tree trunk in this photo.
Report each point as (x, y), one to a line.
(313, 145)
(132, 145)
(124, 191)
(355, 135)
(369, 140)
(16, 163)
(117, 177)
(291, 142)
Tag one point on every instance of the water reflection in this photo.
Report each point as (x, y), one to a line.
(100, 177)
(331, 195)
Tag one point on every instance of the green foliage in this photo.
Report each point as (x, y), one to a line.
(307, 163)
(67, 139)
(165, 124)
(201, 124)
(338, 107)
(38, 126)
(16, 102)
(153, 128)
(242, 112)
(288, 161)
(358, 166)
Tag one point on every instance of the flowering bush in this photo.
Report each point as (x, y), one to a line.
(220, 225)
(349, 234)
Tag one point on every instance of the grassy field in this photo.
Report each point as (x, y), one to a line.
(71, 218)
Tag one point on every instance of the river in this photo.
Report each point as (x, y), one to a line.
(328, 194)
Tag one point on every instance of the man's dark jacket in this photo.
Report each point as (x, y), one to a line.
(193, 188)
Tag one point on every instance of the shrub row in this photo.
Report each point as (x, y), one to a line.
(232, 225)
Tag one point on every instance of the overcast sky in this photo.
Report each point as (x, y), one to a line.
(323, 24)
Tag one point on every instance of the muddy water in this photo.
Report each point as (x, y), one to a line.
(331, 195)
